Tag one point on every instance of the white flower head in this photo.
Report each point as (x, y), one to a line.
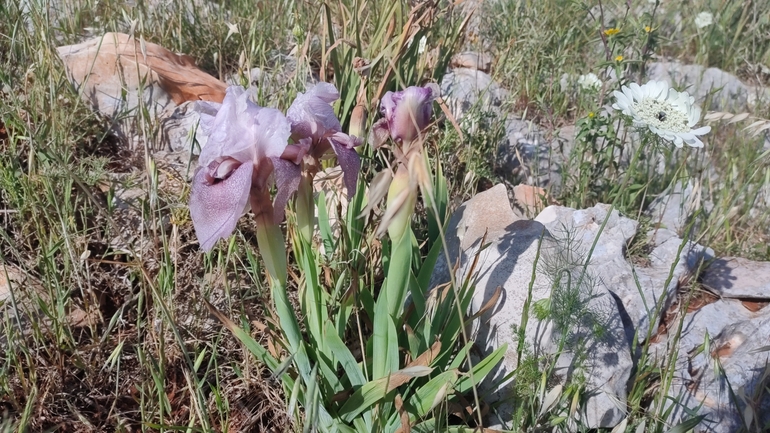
(704, 19)
(666, 112)
(589, 81)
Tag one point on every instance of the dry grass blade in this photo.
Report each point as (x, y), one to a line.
(394, 207)
(405, 425)
(229, 324)
(550, 400)
(489, 304)
(378, 189)
(714, 116)
(758, 127)
(417, 368)
(738, 118)
(427, 357)
(448, 113)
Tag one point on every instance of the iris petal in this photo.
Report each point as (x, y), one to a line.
(348, 159)
(311, 115)
(216, 207)
(287, 177)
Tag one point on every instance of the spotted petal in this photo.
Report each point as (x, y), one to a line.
(216, 207)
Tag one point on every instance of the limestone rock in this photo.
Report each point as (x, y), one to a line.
(472, 60)
(732, 337)
(180, 131)
(735, 277)
(119, 75)
(729, 93)
(530, 200)
(609, 262)
(526, 156)
(595, 337)
(465, 88)
(675, 207)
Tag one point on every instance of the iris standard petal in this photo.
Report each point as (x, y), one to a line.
(232, 132)
(324, 91)
(411, 113)
(207, 111)
(388, 105)
(311, 115)
(271, 133)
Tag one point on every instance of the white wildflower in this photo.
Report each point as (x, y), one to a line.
(666, 112)
(589, 81)
(704, 19)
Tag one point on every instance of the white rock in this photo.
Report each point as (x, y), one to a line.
(736, 339)
(736, 277)
(123, 78)
(465, 88)
(525, 155)
(729, 93)
(472, 60)
(674, 208)
(180, 131)
(595, 335)
(609, 263)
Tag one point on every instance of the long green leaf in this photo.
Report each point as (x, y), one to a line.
(290, 329)
(325, 229)
(384, 341)
(687, 425)
(313, 299)
(481, 369)
(399, 272)
(374, 391)
(343, 355)
(423, 400)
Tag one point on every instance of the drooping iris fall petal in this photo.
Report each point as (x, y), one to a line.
(287, 177)
(349, 161)
(216, 206)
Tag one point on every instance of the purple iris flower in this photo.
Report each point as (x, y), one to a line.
(315, 127)
(245, 146)
(405, 113)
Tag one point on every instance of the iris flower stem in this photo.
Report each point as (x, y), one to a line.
(270, 240)
(305, 207)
